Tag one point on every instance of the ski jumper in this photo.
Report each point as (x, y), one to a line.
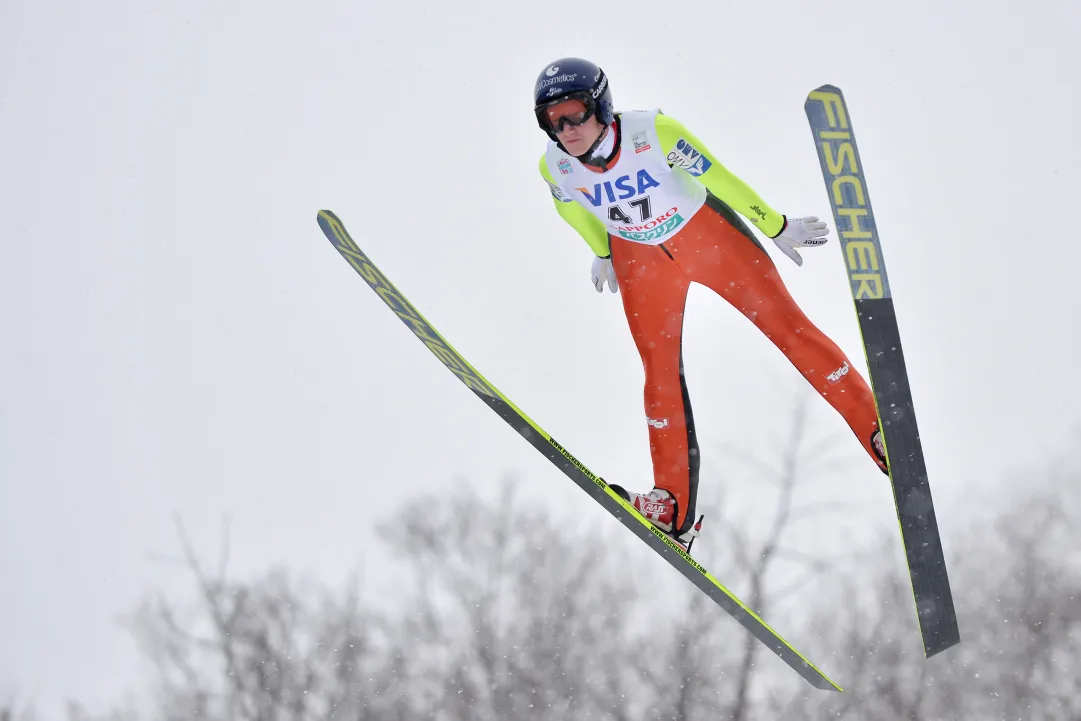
(665, 211)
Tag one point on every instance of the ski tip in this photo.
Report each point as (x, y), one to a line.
(325, 214)
(815, 95)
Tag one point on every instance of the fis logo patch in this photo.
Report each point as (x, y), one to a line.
(685, 156)
(641, 145)
(558, 193)
(565, 166)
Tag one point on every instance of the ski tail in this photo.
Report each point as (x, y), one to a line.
(574, 469)
(842, 171)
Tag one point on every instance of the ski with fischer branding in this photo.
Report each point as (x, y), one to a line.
(846, 185)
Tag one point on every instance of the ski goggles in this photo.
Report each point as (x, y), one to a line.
(567, 110)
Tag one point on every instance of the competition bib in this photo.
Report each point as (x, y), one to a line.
(640, 198)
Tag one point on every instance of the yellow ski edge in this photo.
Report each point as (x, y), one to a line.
(469, 375)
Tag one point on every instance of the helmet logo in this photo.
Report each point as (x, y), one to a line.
(600, 88)
(552, 70)
(552, 80)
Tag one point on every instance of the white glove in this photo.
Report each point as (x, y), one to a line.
(800, 233)
(602, 268)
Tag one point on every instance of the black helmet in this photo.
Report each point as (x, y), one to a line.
(572, 78)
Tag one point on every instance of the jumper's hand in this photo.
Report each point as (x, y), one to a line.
(800, 233)
(602, 269)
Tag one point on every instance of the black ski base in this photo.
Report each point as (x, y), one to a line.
(908, 472)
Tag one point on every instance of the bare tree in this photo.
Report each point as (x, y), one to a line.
(516, 618)
(1018, 595)
(512, 616)
(13, 710)
(770, 549)
(9, 712)
(522, 613)
(268, 650)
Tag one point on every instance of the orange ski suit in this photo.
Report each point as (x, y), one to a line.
(715, 248)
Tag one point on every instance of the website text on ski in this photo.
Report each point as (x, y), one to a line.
(842, 170)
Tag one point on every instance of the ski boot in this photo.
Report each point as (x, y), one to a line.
(659, 508)
(879, 447)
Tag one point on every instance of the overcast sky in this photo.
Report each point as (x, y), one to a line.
(179, 337)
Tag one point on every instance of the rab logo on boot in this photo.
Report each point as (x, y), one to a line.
(658, 423)
(654, 508)
(838, 374)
